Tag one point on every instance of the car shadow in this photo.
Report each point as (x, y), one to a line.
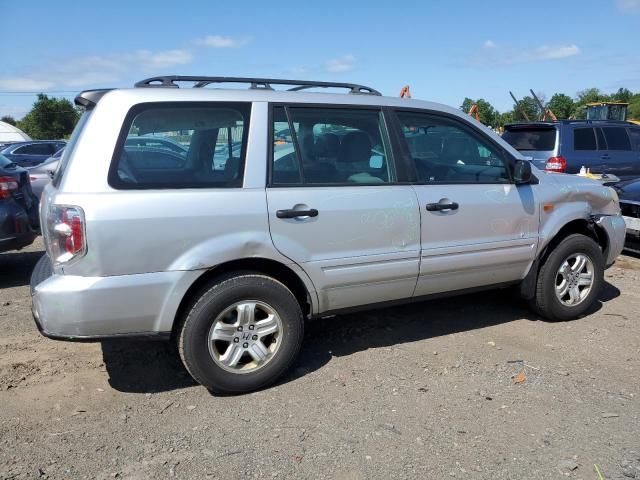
(148, 367)
(137, 366)
(16, 267)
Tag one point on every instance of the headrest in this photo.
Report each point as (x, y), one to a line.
(355, 147)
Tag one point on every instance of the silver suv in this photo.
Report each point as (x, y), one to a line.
(261, 208)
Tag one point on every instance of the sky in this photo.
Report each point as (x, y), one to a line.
(444, 49)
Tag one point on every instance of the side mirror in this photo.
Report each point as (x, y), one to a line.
(522, 172)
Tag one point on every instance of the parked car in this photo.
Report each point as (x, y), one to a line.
(32, 153)
(629, 193)
(42, 174)
(565, 146)
(137, 147)
(228, 258)
(18, 207)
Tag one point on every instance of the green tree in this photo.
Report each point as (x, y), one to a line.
(634, 107)
(488, 115)
(622, 95)
(49, 118)
(528, 106)
(8, 119)
(561, 105)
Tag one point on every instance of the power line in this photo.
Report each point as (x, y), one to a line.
(20, 92)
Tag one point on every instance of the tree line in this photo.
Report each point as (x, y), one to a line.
(562, 105)
(48, 119)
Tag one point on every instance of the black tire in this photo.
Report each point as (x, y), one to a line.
(193, 334)
(42, 271)
(546, 302)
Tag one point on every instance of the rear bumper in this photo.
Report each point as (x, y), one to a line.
(68, 307)
(616, 230)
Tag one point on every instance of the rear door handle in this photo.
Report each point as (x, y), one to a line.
(290, 213)
(438, 207)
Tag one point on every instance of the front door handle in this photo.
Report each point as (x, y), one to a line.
(442, 205)
(290, 213)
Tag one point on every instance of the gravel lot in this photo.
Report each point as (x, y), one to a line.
(423, 391)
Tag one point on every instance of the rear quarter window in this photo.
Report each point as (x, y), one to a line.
(181, 145)
(531, 139)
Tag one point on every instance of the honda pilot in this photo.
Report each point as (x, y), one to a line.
(278, 206)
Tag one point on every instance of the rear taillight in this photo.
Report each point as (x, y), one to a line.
(7, 186)
(556, 164)
(65, 233)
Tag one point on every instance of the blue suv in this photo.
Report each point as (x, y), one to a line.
(30, 154)
(565, 146)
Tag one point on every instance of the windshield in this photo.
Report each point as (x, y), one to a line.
(531, 139)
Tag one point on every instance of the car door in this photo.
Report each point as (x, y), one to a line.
(478, 228)
(582, 150)
(336, 207)
(634, 135)
(619, 158)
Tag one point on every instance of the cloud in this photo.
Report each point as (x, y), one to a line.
(219, 41)
(493, 54)
(552, 52)
(24, 83)
(345, 63)
(631, 7)
(96, 69)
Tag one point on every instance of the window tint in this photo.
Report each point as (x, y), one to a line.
(331, 146)
(182, 146)
(531, 139)
(602, 143)
(444, 151)
(617, 138)
(34, 149)
(634, 133)
(584, 139)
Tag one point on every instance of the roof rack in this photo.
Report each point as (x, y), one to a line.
(256, 83)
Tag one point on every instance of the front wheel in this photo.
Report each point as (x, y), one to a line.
(242, 334)
(570, 279)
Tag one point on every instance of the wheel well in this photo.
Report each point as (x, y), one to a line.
(274, 269)
(581, 226)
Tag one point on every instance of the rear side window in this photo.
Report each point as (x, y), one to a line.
(531, 139)
(34, 149)
(634, 133)
(182, 145)
(617, 138)
(329, 146)
(584, 139)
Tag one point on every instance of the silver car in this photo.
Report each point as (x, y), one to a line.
(365, 201)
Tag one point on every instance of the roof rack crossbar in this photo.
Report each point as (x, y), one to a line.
(255, 83)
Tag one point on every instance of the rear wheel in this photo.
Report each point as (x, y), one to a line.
(570, 279)
(242, 334)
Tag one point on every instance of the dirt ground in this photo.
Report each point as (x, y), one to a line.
(424, 391)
